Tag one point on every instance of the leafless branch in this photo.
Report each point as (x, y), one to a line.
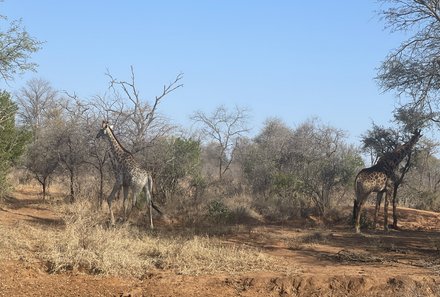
(224, 127)
(142, 115)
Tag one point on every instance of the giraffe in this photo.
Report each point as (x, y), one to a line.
(130, 176)
(380, 178)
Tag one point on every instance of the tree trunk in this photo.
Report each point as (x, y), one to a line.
(101, 188)
(44, 189)
(43, 184)
(220, 169)
(72, 191)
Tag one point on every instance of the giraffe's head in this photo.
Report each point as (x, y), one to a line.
(105, 129)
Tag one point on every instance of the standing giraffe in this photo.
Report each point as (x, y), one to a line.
(379, 179)
(130, 176)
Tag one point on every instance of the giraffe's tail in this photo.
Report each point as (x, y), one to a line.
(156, 208)
(150, 191)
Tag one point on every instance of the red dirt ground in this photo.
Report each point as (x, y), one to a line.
(324, 261)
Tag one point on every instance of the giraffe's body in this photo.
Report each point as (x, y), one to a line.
(379, 179)
(130, 177)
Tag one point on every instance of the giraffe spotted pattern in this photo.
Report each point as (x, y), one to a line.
(379, 179)
(130, 176)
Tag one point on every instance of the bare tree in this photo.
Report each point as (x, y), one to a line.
(41, 158)
(73, 139)
(142, 116)
(138, 120)
(36, 101)
(108, 107)
(224, 127)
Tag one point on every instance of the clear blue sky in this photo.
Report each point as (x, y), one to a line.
(286, 59)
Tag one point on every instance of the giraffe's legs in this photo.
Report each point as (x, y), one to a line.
(151, 215)
(359, 202)
(125, 190)
(385, 209)
(116, 188)
(135, 195)
(377, 208)
(148, 190)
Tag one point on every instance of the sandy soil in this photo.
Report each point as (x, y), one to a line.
(322, 261)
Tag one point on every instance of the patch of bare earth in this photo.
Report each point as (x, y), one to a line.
(315, 261)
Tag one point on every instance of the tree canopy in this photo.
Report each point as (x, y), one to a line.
(413, 68)
(16, 49)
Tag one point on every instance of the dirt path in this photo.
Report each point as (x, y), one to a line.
(323, 262)
(25, 206)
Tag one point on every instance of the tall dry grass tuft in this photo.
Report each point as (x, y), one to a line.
(95, 250)
(203, 255)
(19, 241)
(85, 244)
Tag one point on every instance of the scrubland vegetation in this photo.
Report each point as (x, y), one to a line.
(208, 180)
(208, 183)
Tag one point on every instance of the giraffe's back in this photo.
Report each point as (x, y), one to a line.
(372, 179)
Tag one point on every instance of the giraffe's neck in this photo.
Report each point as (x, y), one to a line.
(392, 160)
(121, 154)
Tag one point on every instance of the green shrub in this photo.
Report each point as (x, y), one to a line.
(218, 212)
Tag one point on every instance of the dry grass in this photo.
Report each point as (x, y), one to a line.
(18, 241)
(84, 243)
(348, 256)
(308, 239)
